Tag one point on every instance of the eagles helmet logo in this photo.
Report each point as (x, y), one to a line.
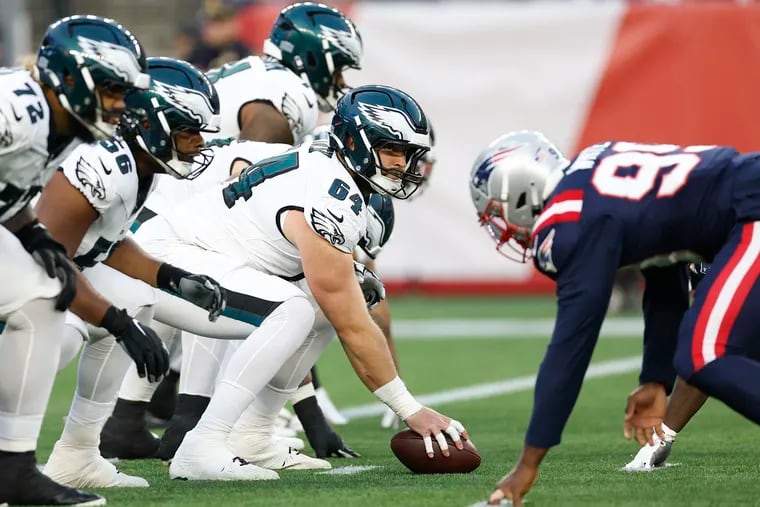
(191, 102)
(327, 227)
(89, 178)
(347, 42)
(393, 120)
(116, 58)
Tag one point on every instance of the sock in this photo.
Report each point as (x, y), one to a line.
(670, 435)
(304, 391)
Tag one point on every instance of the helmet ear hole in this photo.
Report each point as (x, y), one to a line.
(522, 200)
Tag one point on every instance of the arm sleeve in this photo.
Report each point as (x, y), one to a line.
(584, 284)
(666, 299)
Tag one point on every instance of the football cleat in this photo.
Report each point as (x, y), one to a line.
(650, 457)
(21, 483)
(86, 468)
(286, 458)
(199, 459)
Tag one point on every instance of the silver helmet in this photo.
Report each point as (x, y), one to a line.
(509, 182)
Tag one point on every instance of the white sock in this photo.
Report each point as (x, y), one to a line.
(29, 354)
(303, 392)
(670, 434)
(257, 422)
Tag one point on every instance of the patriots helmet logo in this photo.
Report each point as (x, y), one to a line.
(483, 172)
(327, 227)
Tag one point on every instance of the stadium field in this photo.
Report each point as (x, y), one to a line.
(716, 457)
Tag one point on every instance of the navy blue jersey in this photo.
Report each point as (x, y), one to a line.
(617, 204)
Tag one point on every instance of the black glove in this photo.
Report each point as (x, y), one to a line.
(51, 255)
(201, 290)
(330, 445)
(322, 438)
(139, 341)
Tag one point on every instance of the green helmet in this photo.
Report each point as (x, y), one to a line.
(318, 43)
(377, 117)
(79, 53)
(179, 98)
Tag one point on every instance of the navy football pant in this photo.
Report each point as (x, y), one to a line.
(719, 338)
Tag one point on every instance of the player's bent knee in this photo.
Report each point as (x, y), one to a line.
(300, 313)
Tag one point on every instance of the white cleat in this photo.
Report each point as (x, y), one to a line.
(650, 457)
(331, 412)
(282, 431)
(201, 460)
(86, 468)
(293, 442)
(283, 458)
(288, 421)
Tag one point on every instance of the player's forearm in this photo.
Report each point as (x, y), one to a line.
(666, 299)
(20, 219)
(132, 260)
(532, 456)
(366, 349)
(381, 314)
(88, 303)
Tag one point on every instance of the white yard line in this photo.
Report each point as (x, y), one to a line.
(505, 329)
(490, 389)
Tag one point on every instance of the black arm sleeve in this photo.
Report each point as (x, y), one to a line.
(666, 299)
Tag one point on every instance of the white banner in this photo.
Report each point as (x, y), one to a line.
(479, 70)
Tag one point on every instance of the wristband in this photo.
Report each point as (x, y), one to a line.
(398, 398)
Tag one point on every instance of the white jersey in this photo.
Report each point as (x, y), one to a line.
(106, 175)
(26, 163)
(171, 191)
(244, 219)
(263, 79)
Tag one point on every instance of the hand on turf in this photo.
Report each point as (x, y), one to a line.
(644, 413)
(430, 424)
(514, 485)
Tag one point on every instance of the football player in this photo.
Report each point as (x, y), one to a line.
(74, 93)
(276, 97)
(617, 204)
(289, 216)
(273, 98)
(88, 206)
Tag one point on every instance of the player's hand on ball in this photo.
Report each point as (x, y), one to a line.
(514, 485)
(430, 424)
(644, 413)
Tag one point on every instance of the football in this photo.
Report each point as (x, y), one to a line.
(410, 450)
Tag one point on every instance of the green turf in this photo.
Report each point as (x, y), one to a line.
(717, 456)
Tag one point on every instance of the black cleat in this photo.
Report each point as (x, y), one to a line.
(164, 400)
(189, 410)
(21, 483)
(125, 435)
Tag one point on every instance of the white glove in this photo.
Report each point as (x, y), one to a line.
(390, 419)
(370, 283)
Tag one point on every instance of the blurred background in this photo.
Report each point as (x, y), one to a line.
(581, 71)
